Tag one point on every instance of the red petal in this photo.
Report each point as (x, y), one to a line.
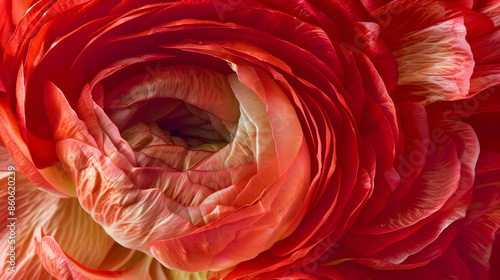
(420, 39)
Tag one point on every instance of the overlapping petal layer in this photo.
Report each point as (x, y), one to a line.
(258, 139)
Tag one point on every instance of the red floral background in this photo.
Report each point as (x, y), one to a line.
(213, 139)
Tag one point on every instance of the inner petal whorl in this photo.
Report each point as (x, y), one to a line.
(180, 115)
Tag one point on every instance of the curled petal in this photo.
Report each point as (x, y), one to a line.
(63, 218)
(434, 59)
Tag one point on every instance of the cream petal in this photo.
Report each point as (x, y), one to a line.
(62, 218)
(133, 216)
(61, 266)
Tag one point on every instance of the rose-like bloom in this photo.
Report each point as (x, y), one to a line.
(251, 139)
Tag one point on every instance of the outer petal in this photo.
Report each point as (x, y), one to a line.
(63, 218)
(491, 8)
(418, 227)
(61, 266)
(475, 241)
(434, 58)
(11, 11)
(487, 56)
(52, 179)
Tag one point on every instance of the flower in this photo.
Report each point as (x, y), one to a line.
(251, 139)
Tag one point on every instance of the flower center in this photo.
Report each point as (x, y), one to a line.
(176, 118)
(194, 127)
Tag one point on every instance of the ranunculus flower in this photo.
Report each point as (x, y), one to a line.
(251, 139)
